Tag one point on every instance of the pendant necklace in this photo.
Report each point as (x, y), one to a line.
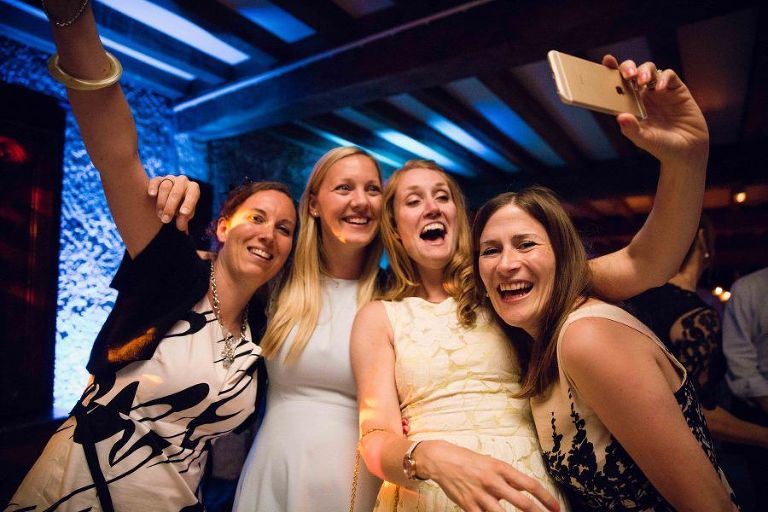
(230, 342)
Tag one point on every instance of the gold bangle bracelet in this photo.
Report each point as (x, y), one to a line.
(71, 82)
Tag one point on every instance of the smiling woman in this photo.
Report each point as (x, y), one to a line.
(303, 455)
(177, 363)
(617, 416)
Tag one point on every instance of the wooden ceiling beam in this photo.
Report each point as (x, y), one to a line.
(605, 180)
(756, 103)
(359, 136)
(145, 39)
(390, 115)
(221, 20)
(34, 31)
(509, 90)
(327, 19)
(464, 42)
(439, 100)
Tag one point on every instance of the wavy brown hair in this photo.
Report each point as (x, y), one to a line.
(572, 283)
(457, 281)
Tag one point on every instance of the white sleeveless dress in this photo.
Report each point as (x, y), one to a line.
(304, 454)
(456, 384)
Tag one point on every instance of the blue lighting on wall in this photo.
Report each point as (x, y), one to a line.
(474, 93)
(179, 28)
(273, 19)
(451, 130)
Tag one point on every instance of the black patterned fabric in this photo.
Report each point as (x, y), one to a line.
(619, 484)
(691, 330)
(580, 452)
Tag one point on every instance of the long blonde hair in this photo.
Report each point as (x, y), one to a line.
(299, 299)
(457, 277)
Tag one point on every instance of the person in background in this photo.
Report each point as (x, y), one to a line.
(691, 330)
(745, 344)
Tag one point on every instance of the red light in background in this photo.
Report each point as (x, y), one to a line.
(11, 151)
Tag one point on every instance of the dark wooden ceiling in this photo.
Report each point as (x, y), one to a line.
(389, 75)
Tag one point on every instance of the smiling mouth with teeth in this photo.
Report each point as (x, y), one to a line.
(514, 290)
(433, 231)
(261, 253)
(357, 221)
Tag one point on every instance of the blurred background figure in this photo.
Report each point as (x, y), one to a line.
(745, 343)
(692, 331)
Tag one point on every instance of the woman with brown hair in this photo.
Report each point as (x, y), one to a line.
(177, 362)
(617, 415)
(428, 354)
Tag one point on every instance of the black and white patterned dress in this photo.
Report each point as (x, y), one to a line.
(151, 425)
(159, 398)
(584, 457)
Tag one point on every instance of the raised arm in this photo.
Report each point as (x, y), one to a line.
(106, 125)
(630, 386)
(473, 481)
(676, 134)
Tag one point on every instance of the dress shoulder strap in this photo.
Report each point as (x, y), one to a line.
(604, 310)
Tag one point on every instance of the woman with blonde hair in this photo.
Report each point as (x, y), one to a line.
(427, 354)
(303, 455)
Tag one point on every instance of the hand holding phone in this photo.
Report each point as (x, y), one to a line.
(587, 84)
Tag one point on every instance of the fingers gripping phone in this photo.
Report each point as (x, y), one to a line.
(587, 84)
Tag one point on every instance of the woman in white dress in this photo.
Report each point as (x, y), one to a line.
(429, 355)
(304, 453)
(176, 364)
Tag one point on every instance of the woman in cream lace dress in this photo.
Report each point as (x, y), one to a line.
(428, 355)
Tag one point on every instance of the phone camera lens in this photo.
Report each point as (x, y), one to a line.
(619, 90)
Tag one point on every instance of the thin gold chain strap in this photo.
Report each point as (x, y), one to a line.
(356, 474)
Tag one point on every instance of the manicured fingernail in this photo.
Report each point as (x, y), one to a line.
(645, 77)
(165, 219)
(152, 193)
(184, 211)
(660, 83)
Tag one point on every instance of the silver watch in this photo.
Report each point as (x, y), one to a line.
(409, 465)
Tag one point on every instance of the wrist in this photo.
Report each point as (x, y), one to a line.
(693, 159)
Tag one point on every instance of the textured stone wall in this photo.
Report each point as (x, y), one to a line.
(258, 156)
(90, 248)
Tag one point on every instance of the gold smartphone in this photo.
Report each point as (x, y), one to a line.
(587, 84)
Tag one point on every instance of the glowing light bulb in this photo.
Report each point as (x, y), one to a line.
(740, 197)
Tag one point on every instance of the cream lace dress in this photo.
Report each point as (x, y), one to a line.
(456, 384)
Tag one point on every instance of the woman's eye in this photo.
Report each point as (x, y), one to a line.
(527, 244)
(488, 251)
(258, 219)
(443, 198)
(374, 189)
(284, 230)
(344, 188)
